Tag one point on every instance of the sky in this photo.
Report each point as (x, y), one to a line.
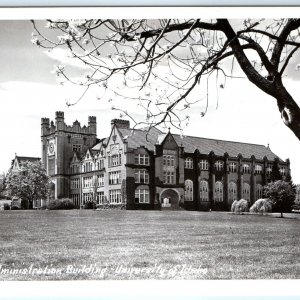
(30, 91)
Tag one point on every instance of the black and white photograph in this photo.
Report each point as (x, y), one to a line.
(154, 148)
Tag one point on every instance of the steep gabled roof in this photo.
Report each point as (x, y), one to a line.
(219, 147)
(137, 138)
(99, 145)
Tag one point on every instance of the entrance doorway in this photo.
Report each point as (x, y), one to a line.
(169, 199)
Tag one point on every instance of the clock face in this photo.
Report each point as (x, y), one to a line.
(51, 148)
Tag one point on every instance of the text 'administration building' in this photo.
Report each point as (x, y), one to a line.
(138, 169)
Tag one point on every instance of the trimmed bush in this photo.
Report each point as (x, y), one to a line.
(15, 208)
(6, 206)
(64, 203)
(89, 205)
(261, 206)
(240, 206)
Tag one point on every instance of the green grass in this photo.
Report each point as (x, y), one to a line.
(158, 244)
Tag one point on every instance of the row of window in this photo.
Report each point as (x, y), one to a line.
(232, 188)
(141, 196)
(219, 165)
(87, 167)
(141, 176)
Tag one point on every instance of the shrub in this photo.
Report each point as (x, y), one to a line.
(89, 205)
(6, 206)
(240, 206)
(64, 203)
(15, 207)
(261, 206)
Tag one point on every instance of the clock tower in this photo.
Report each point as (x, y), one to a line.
(59, 142)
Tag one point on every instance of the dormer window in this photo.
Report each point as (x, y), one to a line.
(219, 165)
(232, 167)
(246, 168)
(188, 163)
(258, 169)
(203, 164)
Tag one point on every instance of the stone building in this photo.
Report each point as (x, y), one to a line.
(149, 169)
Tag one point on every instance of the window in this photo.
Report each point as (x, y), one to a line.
(100, 164)
(87, 197)
(75, 183)
(188, 191)
(168, 160)
(203, 164)
(76, 148)
(232, 192)
(115, 177)
(169, 177)
(76, 199)
(269, 169)
(141, 176)
(87, 182)
(75, 169)
(115, 197)
(88, 167)
(218, 191)
(188, 163)
(232, 167)
(141, 159)
(282, 171)
(115, 160)
(100, 197)
(246, 191)
(219, 165)
(100, 180)
(258, 169)
(259, 191)
(203, 191)
(142, 195)
(246, 168)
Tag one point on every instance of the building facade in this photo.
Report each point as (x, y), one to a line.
(149, 169)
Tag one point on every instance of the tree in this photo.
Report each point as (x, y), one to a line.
(2, 184)
(170, 59)
(282, 195)
(29, 183)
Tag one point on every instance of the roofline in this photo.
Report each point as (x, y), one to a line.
(191, 136)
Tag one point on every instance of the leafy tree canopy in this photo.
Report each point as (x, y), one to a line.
(282, 194)
(28, 183)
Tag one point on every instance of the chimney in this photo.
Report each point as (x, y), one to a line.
(120, 123)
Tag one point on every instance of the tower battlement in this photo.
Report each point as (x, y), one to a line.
(60, 125)
(59, 114)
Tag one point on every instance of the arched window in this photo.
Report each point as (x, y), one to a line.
(246, 168)
(188, 163)
(232, 192)
(258, 169)
(203, 191)
(218, 191)
(188, 191)
(219, 165)
(259, 191)
(246, 191)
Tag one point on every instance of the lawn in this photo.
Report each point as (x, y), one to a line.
(86, 244)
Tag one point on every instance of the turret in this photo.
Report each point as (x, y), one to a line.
(45, 123)
(92, 125)
(59, 120)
